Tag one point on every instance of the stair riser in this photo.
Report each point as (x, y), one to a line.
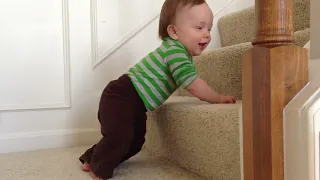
(208, 145)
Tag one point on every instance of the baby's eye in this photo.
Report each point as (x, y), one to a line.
(198, 27)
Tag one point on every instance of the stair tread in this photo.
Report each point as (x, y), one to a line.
(63, 164)
(187, 103)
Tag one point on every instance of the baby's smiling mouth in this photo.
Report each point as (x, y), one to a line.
(202, 45)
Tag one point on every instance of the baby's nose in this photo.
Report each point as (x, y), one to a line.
(206, 35)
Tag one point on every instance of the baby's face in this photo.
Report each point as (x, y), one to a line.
(193, 26)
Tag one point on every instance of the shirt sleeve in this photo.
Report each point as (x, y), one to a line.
(181, 67)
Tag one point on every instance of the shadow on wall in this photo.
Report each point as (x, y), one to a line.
(314, 66)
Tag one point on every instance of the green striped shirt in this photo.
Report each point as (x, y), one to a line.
(161, 72)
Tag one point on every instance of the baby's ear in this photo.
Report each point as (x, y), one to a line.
(172, 32)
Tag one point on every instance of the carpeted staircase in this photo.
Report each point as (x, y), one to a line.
(187, 139)
(205, 138)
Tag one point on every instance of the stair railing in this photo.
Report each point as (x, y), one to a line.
(274, 71)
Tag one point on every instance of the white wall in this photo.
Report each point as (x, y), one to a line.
(302, 116)
(48, 88)
(37, 76)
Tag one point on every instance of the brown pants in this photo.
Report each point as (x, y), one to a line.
(122, 116)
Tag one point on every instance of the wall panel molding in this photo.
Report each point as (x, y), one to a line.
(67, 84)
(96, 59)
(30, 141)
(225, 6)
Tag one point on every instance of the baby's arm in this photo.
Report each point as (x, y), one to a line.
(204, 92)
(184, 73)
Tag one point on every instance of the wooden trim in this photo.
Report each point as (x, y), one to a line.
(273, 72)
(274, 22)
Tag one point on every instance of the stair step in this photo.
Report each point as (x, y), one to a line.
(221, 68)
(302, 37)
(63, 164)
(239, 27)
(200, 137)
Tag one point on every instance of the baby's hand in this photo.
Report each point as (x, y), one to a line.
(227, 100)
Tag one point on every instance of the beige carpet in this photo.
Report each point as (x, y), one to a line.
(198, 136)
(63, 164)
(240, 27)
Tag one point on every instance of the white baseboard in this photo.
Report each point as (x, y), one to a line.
(48, 139)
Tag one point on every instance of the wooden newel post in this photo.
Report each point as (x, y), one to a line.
(274, 71)
(274, 23)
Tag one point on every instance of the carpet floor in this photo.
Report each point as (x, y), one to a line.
(63, 164)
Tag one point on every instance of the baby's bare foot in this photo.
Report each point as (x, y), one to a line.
(85, 167)
(94, 177)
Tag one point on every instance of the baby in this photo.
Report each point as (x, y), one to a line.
(184, 29)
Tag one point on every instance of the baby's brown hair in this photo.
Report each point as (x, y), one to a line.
(169, 11)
